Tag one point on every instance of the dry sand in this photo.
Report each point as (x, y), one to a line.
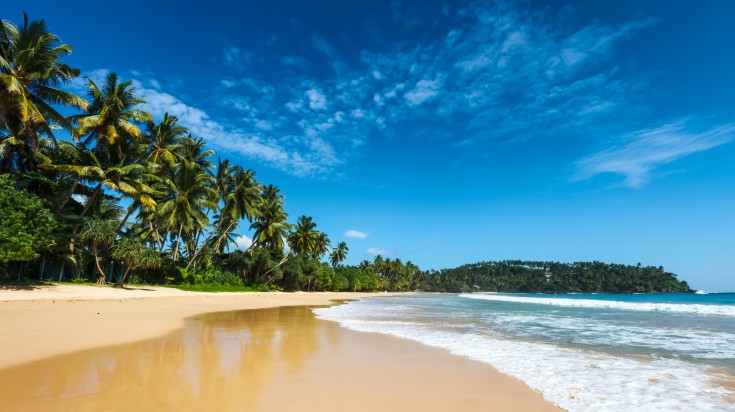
(87, 348)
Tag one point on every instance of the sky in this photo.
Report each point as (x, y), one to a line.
(451, 132)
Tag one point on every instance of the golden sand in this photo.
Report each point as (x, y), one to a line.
(276, 359)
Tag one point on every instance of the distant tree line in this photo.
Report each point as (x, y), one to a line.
(554, 277)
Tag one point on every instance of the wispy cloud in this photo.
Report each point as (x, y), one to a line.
(236, 58)
(356, 234)
(485, 74)
(312, 158)
(382, 252)
(642, 152)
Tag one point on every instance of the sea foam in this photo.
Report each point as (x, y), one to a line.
(700, 309)
(576, 380)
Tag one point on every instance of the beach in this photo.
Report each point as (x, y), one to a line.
(175, 350)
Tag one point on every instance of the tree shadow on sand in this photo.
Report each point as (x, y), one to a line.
(24, 286)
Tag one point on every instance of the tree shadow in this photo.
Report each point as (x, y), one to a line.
(23, 286)
(136, 288)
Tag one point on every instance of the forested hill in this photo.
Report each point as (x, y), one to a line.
(554, 277)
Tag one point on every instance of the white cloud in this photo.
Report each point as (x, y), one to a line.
(424, 90)
(317, 157)
(317, 100)
(356, 234)
(263, 125)
(646, 150)
(243, 242)
(382, 252)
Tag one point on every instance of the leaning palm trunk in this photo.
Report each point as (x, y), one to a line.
(90, 200)
(285, 258)
(176, 245)
(124, 278)
(127, 216)
(66, 199)
(216, 245)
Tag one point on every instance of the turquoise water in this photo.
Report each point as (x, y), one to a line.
(583, 352)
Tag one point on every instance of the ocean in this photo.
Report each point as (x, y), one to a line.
(583, 352)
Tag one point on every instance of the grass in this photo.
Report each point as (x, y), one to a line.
(219, 288)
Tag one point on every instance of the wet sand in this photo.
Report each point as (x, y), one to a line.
(142, 355)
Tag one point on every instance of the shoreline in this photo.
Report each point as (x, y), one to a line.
(40, 326)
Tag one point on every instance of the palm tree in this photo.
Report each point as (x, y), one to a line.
(164, 142)
(189, 195)
(270, 227)
(97, 234)
(321, 245)
(78, 162)
(193, 151)
(129, 179)
(302, 240)
(240, 200)
(30, 73)
(240, 193)
(339, 254)
(110, 120)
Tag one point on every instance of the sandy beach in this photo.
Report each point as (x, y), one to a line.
(176, 350)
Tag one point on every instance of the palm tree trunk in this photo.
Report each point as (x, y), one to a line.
(121, 283)
(130, 212)
(61, 271)
(178, 237)
(277, 266)
(43, 266)
(216, 245)
(66, 199)
(96, 192)
(90, 200)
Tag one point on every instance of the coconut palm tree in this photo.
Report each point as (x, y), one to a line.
(239, 201)
(194, 151)
(164, 142)
(111, 119)
(129, 179)
(30, 76)
(98, 234)
(240, 195)
(270, 227)
(321, 245)
(339, 254)
(189, 195)
(302, 240)
(78, 162)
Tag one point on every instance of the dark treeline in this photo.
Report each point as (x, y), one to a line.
(554, 277)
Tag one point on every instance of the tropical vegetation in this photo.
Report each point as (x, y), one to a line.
(555, 277)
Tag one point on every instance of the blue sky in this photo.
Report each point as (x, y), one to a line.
(447, 132)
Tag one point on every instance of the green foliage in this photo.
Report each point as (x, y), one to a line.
(224, 288)
(555, 277)
(25, 224)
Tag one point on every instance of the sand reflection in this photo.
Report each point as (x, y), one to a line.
(219, 361)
